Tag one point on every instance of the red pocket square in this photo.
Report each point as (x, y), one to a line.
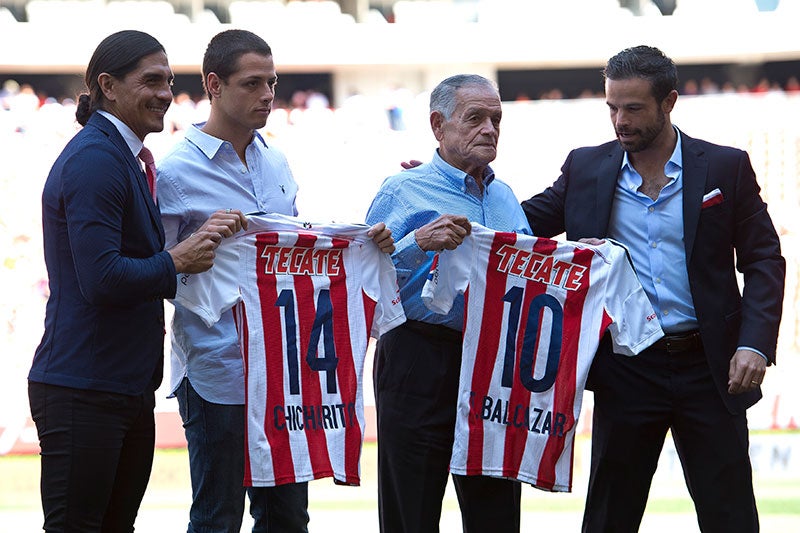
(713, 198)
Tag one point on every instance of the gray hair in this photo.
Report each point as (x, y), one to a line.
(443, 97)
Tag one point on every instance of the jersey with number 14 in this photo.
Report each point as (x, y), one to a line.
(307, 298)
(535, 311)
(312, 294)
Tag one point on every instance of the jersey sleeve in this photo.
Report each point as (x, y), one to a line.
(449, 276)
(389, 310)
(635, 324)
(211, 293)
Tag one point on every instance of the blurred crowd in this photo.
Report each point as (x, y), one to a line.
(340, 155)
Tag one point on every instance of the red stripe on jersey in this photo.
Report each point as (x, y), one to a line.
(488, 340)
(274, 363)
(514, 448)
(565, 385)
(311, 381)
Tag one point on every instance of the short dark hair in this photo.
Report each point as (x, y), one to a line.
(645, 62)
(117, 55)
(224, 50)
(443, 96)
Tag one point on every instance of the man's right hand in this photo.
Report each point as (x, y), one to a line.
(444, 233)
(196, 254)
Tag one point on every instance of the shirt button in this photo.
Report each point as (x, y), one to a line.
(653, 245)
(658, 280)
(651, 209)
(244, 171)
(666, 312)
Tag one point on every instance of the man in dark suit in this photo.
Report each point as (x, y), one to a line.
(690, 213)
(93, 377)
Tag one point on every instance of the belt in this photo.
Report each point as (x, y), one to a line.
(434, 331)
(681, 342)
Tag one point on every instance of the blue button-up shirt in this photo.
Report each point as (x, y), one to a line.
(652, 230)
(415, 197)
(199, 176)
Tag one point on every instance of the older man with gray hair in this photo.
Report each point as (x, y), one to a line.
(429, 208)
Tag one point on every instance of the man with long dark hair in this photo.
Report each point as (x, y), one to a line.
(94, 375)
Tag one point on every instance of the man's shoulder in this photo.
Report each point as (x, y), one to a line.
(92, 145)
(598, 149)
(182, 152)
(701, 146)
(408, 177)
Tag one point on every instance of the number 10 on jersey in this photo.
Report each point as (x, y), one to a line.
(514, 298)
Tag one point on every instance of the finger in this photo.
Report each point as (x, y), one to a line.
(376, 230)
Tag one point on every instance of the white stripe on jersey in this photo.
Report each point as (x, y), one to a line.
(535, 311)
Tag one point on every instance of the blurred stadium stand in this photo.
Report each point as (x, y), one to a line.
(367, 45)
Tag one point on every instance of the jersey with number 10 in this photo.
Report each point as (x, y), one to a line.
(535, 311)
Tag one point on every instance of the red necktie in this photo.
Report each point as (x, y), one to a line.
(150, 169)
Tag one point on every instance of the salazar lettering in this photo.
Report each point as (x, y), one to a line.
(534, 419)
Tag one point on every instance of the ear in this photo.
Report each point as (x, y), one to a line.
(669, 102)
(437, 123)
(213, 85)
(107, 84)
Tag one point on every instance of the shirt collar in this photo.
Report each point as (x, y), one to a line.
(208, 144)
(457, 176)
(134, 143)
(673, 165)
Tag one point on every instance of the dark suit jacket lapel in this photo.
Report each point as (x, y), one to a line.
(695, 172)
(607, 174)
(105, 125)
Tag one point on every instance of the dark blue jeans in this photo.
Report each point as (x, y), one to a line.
(215, 435)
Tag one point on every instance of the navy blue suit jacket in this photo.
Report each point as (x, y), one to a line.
(103, 246)
(735, 234)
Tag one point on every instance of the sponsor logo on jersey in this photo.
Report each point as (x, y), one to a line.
(541, 268)
(302, 261)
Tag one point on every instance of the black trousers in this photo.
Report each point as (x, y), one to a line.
(97, 453)
(637, 399)
(416, 388)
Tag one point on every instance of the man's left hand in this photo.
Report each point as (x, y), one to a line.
(382, 237)
(746, 371)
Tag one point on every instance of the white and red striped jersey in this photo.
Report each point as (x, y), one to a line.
(311, 296)
(535, 311)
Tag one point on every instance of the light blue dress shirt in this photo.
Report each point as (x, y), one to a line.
(413, 198)
(199, 176)
(652, 230)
